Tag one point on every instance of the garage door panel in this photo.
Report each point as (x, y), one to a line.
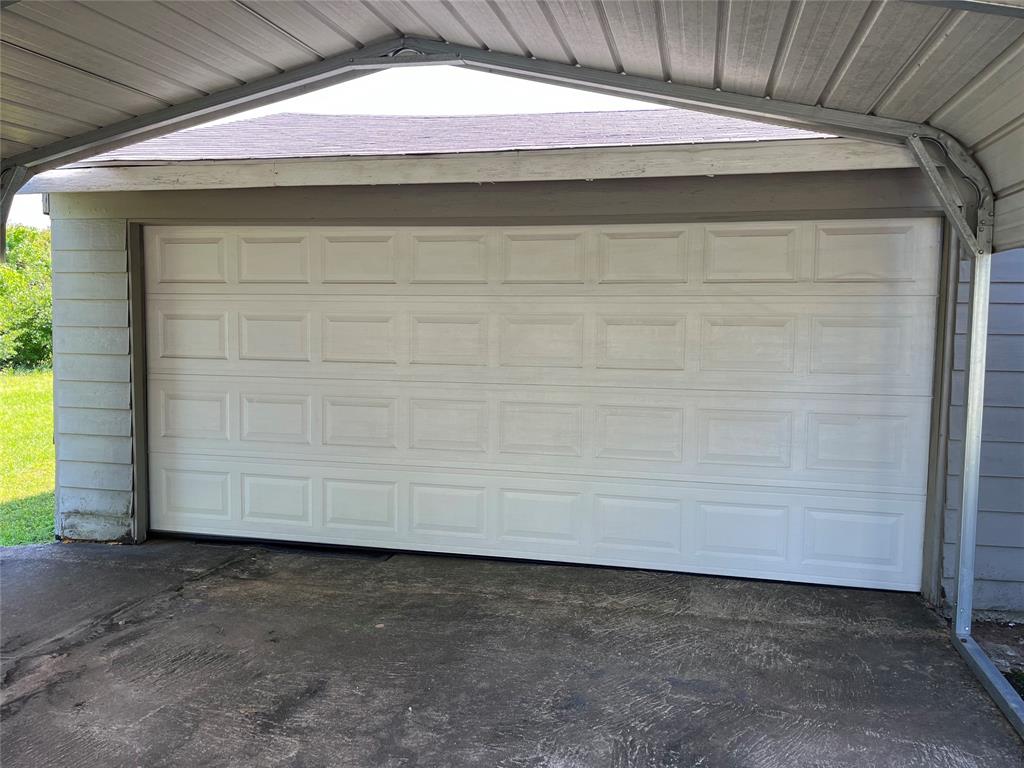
(805, 536)
(750, 398)
(844, 344)
(854, 443)
(875, 257)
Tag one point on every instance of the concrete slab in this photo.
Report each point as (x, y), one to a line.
(177, 654)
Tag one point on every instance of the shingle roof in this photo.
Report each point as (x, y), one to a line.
(287, 135)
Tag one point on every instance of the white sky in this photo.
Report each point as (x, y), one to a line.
(432, 90)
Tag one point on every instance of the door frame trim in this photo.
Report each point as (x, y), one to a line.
(139, 385)
(933, 535)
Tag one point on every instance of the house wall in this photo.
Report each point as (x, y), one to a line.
(1000, 555)
(91, 360)
(91, 334)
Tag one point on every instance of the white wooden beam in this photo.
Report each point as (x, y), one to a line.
(786, 156)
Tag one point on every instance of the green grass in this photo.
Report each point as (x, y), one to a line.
(26, 457)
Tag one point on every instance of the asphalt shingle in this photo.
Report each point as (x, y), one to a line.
(288, 135)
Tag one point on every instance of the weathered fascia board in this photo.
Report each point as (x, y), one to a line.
(789, 156)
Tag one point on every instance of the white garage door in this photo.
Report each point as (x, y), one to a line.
(749, 399)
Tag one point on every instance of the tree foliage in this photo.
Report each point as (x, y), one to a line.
(26, 309)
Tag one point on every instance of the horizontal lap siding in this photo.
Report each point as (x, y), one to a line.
(92, 377)
(1000, 554)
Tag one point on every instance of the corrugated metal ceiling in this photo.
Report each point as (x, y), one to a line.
(69, 67)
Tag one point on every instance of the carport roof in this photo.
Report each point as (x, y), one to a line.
(103, 69)
(287, 135)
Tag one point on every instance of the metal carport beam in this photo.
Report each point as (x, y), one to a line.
(1011, 8)
(320, 74)
(12, 178)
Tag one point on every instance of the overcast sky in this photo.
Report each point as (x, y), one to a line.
(412, 91)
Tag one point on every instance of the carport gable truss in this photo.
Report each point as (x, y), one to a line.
(949, 169)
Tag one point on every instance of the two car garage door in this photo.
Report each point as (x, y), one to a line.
(750, 399)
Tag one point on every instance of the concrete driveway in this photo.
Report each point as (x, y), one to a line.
(184, 654)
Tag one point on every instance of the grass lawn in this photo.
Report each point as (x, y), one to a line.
(26, 457)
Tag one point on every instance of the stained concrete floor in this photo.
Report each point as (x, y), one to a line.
(185, 654)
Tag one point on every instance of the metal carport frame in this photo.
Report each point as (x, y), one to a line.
(972, 219)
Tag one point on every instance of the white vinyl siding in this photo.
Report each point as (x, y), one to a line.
(92, 409)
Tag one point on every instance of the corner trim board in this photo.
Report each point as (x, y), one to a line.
(140, 407)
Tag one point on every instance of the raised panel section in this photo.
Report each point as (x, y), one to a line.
(449, 340)
(194, 335)
(196, 493)
(448, 425)
(358, 339)
(863, 254)
(529, 257)
(541, 428)
(449, 258)
(191, 260)
(857, 442)
(743, 530)
(641, 342)
(355, 421)
(643, 257)
(545, 518)
(448, 510)
(360, 504)
(753, 344)
(642, 434)
(542, 340)
(635, 523)
(577, 393)
(273, 259)
(276, 418)
(860, 345)
(360, 259)
(273, 336)
(750, 254)
(745, 438)
(276, 499)
(198, 415)
(852, 538)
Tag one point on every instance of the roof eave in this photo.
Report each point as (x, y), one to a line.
(709, 159)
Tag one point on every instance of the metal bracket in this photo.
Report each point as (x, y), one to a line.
(949, 196)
